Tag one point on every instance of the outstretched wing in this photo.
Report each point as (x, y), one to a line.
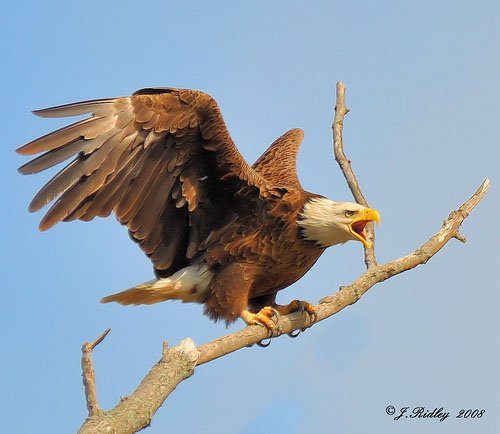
(162, 160)
(278, 164)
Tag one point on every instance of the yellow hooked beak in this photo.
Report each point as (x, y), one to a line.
(358, 225)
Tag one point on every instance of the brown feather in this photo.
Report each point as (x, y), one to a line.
(109, 195)
(81, 166)
(278, 164)
(87, 128)
(55, 156)
(151, 209)
(135, 191)
(170, 243)
(100, 107)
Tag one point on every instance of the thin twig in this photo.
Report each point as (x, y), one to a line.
(88, 375)
(345, 166)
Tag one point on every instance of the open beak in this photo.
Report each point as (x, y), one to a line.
(358, 225)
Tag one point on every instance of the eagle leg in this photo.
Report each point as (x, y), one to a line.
(266, 316)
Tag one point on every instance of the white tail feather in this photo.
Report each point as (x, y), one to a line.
(190, 285)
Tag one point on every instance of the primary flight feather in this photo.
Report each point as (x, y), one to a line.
(217, 230)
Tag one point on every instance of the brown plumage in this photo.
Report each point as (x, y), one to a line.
(217, 230)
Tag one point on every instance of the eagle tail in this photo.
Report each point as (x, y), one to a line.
(190, 285)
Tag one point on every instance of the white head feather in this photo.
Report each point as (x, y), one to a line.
(327, 222)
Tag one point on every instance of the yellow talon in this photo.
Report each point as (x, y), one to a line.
(262, 317)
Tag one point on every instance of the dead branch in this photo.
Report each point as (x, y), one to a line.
(136, 411)
(345, 166)
(88, 375)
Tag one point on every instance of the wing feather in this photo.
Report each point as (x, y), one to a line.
(107, 197)
(150, 213)
(278, 164)
(56, 156)
(82, 190)
(100, 107)
(87, 129)
(77, 171)
(171, 243)
(147, 172)
(162, 160)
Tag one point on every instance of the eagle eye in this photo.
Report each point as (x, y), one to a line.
(349, 213)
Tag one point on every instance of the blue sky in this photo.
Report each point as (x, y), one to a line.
(423, 86)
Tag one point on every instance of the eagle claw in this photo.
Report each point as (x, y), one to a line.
(262, 344)
(267, 317)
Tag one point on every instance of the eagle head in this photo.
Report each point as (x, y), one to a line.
(328, 223)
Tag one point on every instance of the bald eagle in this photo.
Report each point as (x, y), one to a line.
(217, 230)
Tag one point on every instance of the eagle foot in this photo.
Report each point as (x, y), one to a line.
(266, 317)
(297, 306)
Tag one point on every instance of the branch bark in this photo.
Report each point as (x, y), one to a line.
(136, 411)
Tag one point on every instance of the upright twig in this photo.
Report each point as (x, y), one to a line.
(88, 374)
(345, 166)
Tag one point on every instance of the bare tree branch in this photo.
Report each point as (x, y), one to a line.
(136, 411)
(88, 375)
(345, 166)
